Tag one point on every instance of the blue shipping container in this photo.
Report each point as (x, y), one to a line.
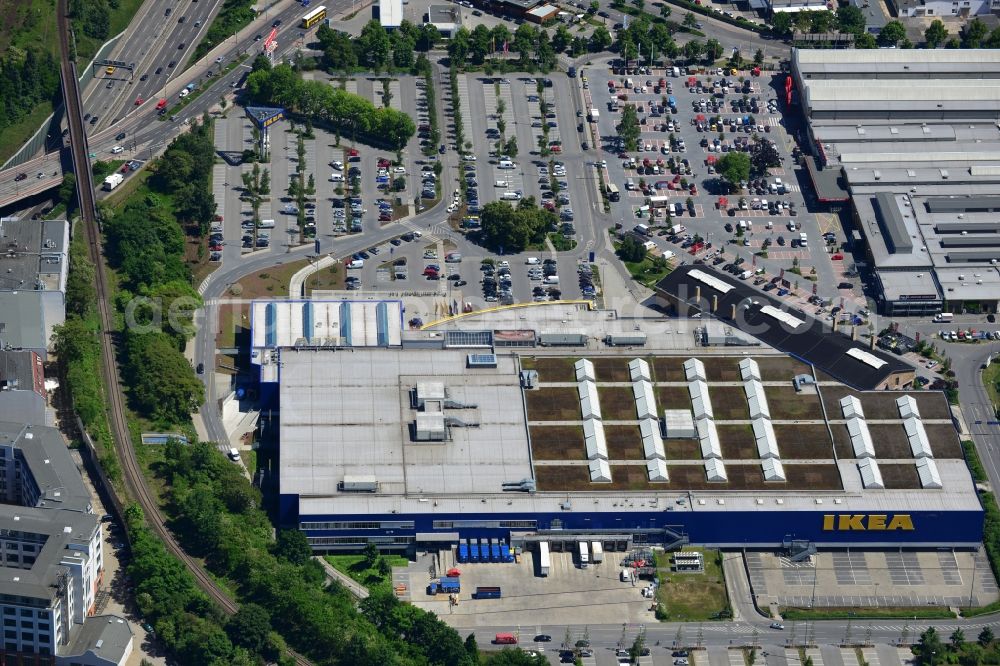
(463, 552)
(473, 551)
(505, 553)
(487, 593)
(494, 551)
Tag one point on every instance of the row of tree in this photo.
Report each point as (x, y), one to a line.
(850, 19)
(318, 101)
(933, 650)
(375, 49)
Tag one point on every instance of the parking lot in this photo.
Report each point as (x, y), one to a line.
(593, 595)
(688, 122)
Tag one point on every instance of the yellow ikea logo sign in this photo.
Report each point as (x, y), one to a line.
(860, 522)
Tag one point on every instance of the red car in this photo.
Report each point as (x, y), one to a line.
(384, 163)
(139, 100)
(125, 168)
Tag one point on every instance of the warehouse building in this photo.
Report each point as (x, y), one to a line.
(389, 13)
(448, 437)
(913, 144)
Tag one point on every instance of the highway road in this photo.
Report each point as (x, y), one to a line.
(147, 134)
(151, 43)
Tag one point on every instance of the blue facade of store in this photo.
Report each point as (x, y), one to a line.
(951, 529)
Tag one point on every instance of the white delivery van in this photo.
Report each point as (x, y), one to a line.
(356, 263)
(629, 184)
(336, 178)
(676, 71)
(642, 229)
(532, 261)
(500, 183)
(803, 239)
(117, 149)
(505, 164)
(944, 316)
(234, 455)
(511, 196)
(552, 279)
(745, 275)
(267, 224)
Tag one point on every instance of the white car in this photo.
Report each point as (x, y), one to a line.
(399, 169)
(338, 165)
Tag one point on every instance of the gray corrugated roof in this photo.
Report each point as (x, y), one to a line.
(105, 636)
(890, 220)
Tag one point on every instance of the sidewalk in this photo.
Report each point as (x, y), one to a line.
(353, 586)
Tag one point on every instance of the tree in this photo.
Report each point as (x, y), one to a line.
(693, 50)
(67, 190)
(975, 32)
(427, 37)
(734, 167)
(820, 22)
(562, 39)
(293, 546)
(690, 20)
(808, 661)
(510, 147)
(957, 638)
(628, 128)
(370, 554)
(763, 156)
(929, 650)
(891, 33)
(458, 47)
(250, 627)
(373, 46)
(935, 34)
(865, 40)
(781, 24)
(479, 44)
(600, 39)
(162, 381)
(665, 11)
(594, 6)
(985, 637)
(850, 19)
(631, 250)
(713, 49)
(80, 291)
(512, 230)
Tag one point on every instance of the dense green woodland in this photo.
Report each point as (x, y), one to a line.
(285, 596)
(27, 79)
(351, 115)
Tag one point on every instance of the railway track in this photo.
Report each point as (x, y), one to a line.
(135, 481)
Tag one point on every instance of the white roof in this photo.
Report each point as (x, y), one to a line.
(694, 369)
(700, 401)
(866, 358)
(749, 369)
(850, 406)
(715, 470)
(773, 470)
(652, 443)
(593, 435)
(678, 423)
(907, 405)
(657, 470)
(767, 444)
(600, 471)
(928, 471)
(638, 369)
(645, 400)
(861, 439)
(785, 318)
(915, 432)
(708, 437)
(590, 404)
(871, 477)
(711, 281)
(584, 370)
(756, 399)
(390, 13)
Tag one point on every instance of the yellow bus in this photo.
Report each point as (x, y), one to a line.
(314, 17)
